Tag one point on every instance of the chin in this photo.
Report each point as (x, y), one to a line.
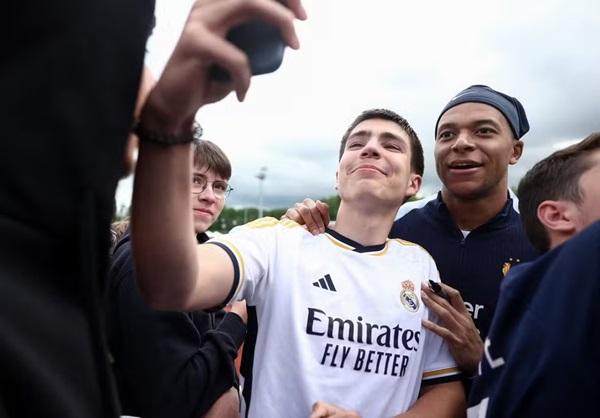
(201, 226)
(468, 193)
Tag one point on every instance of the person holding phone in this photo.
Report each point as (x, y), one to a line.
(335, 318)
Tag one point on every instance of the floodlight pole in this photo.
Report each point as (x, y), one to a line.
(261, 176)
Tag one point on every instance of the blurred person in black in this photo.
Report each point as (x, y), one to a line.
(69, 81)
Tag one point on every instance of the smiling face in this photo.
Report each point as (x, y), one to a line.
(473, 149)
(206, 205)
(375, 166)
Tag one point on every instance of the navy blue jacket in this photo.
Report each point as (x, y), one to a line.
(474, 265)
(167, 364)
(542, 356)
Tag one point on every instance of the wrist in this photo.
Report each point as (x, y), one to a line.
(158, 137)
(157, 116)
(160, 127)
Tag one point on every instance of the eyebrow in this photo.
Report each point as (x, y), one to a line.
(217, 179)
(384, 135)
(477, 122)
(359, 134)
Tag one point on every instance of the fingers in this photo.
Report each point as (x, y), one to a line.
(311, 214)
(218, 50)
(186, 83)
(437, 329)
(426, 292)
(324, 211)
(466, 350)
(455, 298)
(322, 409)
(298, 9)
(209, 22)
(293, 215)
(458, 326)
(446, 312)
(233, 12)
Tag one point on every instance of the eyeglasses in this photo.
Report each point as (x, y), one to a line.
(220, 188)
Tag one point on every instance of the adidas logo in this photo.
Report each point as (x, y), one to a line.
(325, 283)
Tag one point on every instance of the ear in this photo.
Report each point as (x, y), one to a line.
(414, 185)
(557, 218)
(517, 151)
(337, 179)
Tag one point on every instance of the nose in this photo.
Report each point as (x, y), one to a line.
(463, 142)
(370, 150)
(207, 194)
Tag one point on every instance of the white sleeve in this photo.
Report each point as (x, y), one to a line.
(250, 248)
(439, 365)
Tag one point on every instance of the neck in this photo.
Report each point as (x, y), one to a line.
(469, 213)
(367, 226)
(558, 237)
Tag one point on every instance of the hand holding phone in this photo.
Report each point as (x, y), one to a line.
(187, 84)
(261, 42)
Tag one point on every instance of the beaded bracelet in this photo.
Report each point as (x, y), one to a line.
(164, 139)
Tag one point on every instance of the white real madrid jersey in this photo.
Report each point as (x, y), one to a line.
(333, 320)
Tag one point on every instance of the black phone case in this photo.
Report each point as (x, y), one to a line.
(261, 42)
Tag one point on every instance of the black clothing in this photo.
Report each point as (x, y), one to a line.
(69, 77)
(167, 364)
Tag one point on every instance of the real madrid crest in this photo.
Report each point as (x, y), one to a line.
(408, 297)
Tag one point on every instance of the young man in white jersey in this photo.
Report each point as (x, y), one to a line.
(337, 316)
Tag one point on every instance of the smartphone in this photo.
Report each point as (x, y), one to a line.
(438, 290)
(262, 43)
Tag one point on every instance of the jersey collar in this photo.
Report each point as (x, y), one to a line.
(348, 244)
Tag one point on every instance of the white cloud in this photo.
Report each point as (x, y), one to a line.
(411, 57)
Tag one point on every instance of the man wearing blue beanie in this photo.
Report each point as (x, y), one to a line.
(510, 107)
(471, 227)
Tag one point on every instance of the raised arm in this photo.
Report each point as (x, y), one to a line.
(173, 272)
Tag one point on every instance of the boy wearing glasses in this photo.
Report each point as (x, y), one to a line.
(176, 364)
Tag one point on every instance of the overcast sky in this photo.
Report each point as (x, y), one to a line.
(408, 56)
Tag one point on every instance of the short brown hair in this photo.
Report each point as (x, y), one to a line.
(210, 156)
(556, 177)
(417, 163)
